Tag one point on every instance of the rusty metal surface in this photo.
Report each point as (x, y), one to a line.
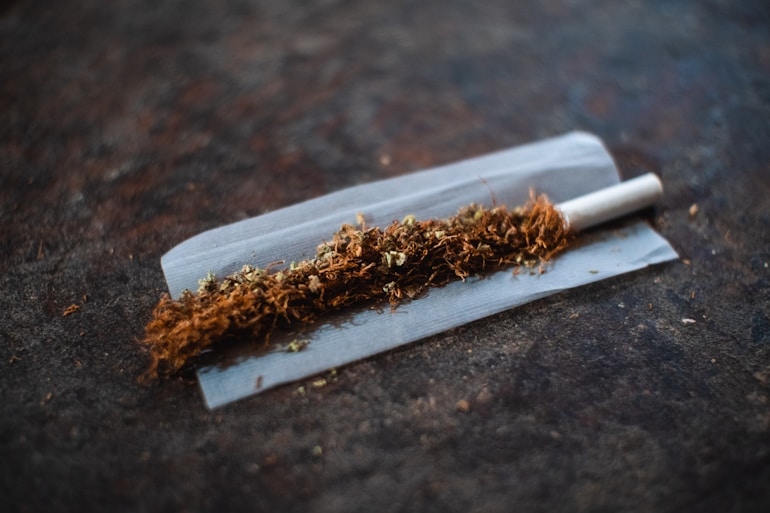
(128, 126)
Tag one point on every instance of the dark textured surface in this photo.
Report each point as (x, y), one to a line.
(127, 126)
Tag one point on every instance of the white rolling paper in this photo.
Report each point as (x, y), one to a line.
(563, 168)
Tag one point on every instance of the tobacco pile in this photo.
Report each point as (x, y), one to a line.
(359, 264)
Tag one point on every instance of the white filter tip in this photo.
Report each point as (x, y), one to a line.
(611, 203)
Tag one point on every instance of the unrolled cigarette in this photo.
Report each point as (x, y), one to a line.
(612, 202)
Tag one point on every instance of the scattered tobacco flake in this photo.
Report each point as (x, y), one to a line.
(463, 406)
(359, 264)
(297, 345)
(73, 308)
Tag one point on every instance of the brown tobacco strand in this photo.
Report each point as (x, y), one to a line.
(359, 264)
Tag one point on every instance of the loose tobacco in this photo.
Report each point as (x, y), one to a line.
(359, 264)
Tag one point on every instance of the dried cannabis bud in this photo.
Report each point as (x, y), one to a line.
(359, 264)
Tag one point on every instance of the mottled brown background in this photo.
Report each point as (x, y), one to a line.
(127, 126)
